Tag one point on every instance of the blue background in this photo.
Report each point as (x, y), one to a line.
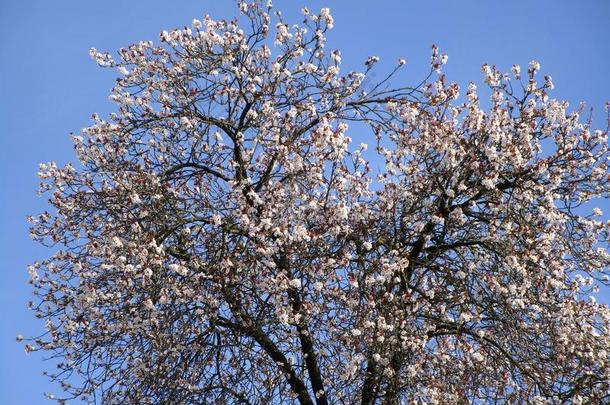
(49, 87)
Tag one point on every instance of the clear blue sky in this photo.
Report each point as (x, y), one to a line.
(49, 87)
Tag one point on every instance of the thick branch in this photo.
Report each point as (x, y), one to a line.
(307, 347)
(275, 354)
(197, 166)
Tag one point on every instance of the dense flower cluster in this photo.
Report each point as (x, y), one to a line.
(225, 240)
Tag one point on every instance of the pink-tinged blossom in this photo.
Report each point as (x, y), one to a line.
(516, 69)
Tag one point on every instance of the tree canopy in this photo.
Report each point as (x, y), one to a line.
(224, 239)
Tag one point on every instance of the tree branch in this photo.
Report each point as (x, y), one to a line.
(274, 353)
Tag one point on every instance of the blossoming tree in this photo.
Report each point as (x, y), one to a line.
(223, 240)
